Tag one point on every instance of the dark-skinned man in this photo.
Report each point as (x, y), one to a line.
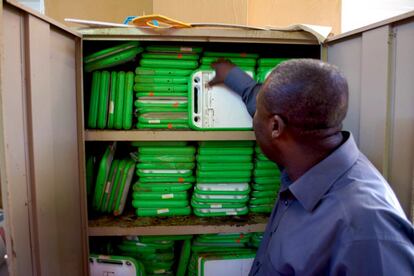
(335, 213)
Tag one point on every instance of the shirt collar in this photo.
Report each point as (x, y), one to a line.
(312, 186)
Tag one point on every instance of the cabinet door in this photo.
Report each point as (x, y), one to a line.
(40, 145)
(378, 64)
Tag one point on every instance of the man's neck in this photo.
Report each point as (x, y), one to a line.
(303, 158)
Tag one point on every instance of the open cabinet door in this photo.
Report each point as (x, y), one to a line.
(40, 133)
(378, 62)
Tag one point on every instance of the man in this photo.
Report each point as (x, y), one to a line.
(335, 214)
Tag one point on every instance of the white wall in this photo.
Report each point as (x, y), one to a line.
(358, 13)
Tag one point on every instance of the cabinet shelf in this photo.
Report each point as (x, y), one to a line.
(185, 135)
(181, 225)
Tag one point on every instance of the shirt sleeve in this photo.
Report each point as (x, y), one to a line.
(374, 257)
(241, 83)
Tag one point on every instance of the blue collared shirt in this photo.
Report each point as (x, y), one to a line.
(340, 218)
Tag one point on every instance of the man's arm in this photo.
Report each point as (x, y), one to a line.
(241, 83)
(374, 257)
(238, 81)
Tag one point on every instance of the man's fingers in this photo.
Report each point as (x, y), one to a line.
(214, 81)
(214, 64)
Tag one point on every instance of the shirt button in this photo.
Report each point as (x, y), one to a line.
(286, 202)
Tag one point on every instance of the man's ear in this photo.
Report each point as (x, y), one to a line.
(278, 126)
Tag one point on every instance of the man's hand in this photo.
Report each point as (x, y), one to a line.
(222, 68)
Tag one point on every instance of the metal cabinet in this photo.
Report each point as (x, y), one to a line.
(378, 62)
(40, 168)
(42, 134)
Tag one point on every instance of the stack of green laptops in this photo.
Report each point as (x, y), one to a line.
(112, 183)
(221, 254)
(161, 86)
(266, 184)
(223, 175)
(111, 100)
(245, 61)
(165, 175)
(157, 253)
(266, 66)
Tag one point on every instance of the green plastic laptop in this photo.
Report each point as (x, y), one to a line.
(109, 185)
(94, 100)
(119, 100)
(225, 264)
(159, 144)
(175, 173)
(224, 158)
(271, 180)
(103, 172)
(270, 62)
(220, 198)
(112, 99)
(167, 63)
(226, 167)
(161, 187)
(115, 266)
(222, 179)
(221, 212)
(265, 187)
(239, 61)
(174, 49)
(222, 189)
(226, 144)
(166, 158)
(160, 94)
(201, 205)
(229, 55)
(164, 118)
(112, 56)
(262, 200)
(215, 107)
(159, 196)
(223, 174)
(266, 172)
(165, 166)
(184, 258)
(162, 102)
(224, 238)
(163, 212)
(164, 109)
(188, 150)
(265, 164)
(90, 174)
(229, 151)
(260, 194)
(265, 208)
(103, 99)
(159, 203)
(166, 179)
(122, 193)
(160, 79)
(155, 87)
(172, 56)
(208, 67)
(149, 71)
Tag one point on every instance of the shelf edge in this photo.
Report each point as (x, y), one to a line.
(173, 230)
(139, 135)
